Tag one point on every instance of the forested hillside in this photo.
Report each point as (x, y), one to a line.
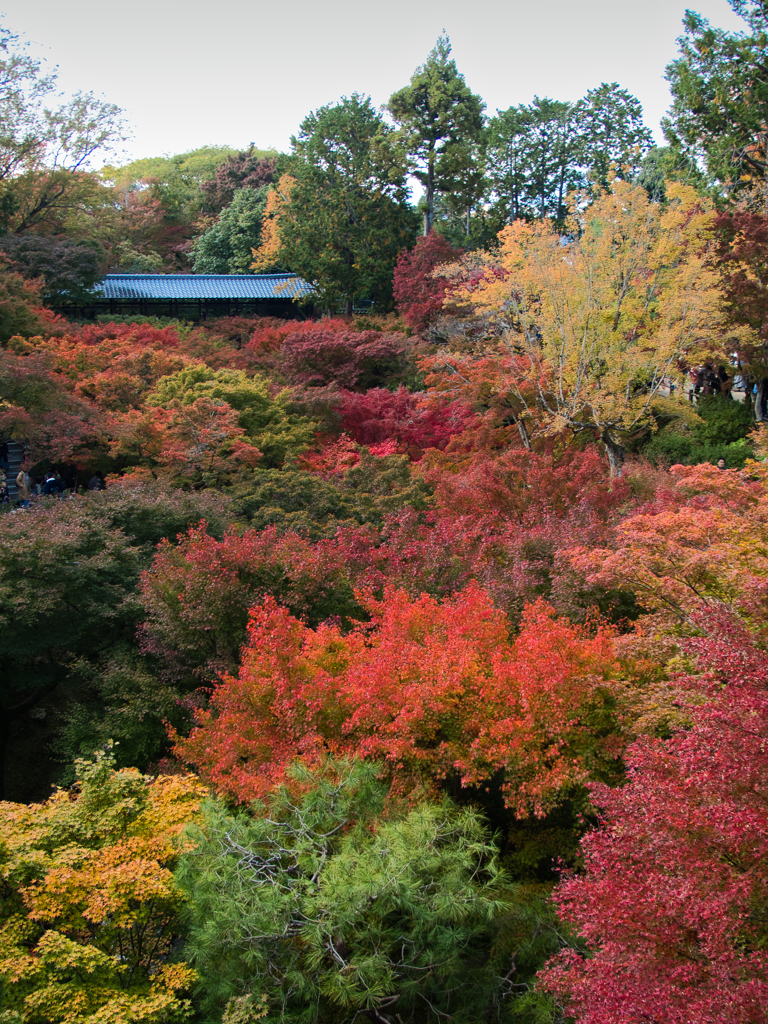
(404, 661)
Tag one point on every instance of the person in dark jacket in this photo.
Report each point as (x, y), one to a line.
(52, 484)
(97, 483)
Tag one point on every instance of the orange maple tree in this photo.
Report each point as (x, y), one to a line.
(698, 546)
(435, 690)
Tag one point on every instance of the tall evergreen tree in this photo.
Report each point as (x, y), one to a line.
(348, 215)
(441, 123)
(507, 150)
(537, 154)
(719, 85)
(535, 158)
(612, 133)
(227, 246)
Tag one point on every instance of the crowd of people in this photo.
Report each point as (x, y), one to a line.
(50, 484)
(708, 380)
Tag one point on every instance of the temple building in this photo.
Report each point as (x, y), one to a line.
(200, 296)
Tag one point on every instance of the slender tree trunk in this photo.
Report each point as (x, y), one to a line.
(759, 400)
(349, 307)
(615, 453)
(429, 212)
(523, 431)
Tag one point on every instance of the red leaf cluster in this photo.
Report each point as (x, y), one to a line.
(418, 290)
(411, 421)
(198, 592)
(350, 359)
(673, 900)
(40, 410)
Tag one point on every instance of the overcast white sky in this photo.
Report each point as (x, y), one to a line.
(236, 71)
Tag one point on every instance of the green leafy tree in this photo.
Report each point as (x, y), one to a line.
(441, 124)
(348, 217)
(719, 85)
(662, 164)
(459, 212)
(148, 512)
(46, 149)
(151, 209)
(177, 181)
(317, 908)
(534, 155)
(251, 168)
(613, 136)
(227, 246)
(119, 695)
(69, 608)
(265, 419)
(66, 583)
(539, 153)
(508, 159)
(720, 433)
(366, 492)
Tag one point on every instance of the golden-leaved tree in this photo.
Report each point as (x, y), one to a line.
(89, 907)
(594, 324)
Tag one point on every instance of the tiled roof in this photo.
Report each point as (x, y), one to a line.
(203, 286)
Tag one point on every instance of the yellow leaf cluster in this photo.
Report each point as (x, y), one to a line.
(598, 321)
(90, 908)
(268, 253)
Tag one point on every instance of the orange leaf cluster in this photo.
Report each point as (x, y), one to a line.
(433, 690)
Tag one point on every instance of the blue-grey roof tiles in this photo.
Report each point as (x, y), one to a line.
(202, 286)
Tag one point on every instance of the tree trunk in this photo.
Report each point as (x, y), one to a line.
(615, 453)
(523, 431)
(759, 400)
(429, 211)
(349, 307)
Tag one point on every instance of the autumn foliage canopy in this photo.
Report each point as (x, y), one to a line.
(418, 566)
(431, 689)
(401, 656)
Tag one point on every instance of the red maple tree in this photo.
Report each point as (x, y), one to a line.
(418, 290)
(672, 901)
(413, 422)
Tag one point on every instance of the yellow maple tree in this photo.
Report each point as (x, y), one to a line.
(267, 256)
(595, 324)
(90, 910)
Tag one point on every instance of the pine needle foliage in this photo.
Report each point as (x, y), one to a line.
(328, 906)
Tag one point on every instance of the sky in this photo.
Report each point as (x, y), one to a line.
(240, 71)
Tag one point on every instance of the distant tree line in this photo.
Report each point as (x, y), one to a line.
(337, 208)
